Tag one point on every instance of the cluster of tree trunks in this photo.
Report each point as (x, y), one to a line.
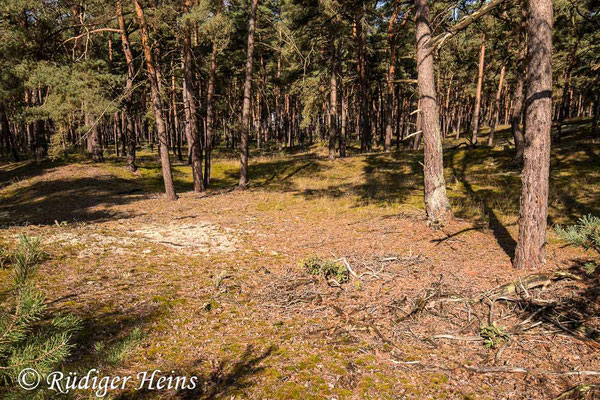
(379, 113)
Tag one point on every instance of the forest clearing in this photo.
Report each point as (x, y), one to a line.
(299, 199)
(214, 285)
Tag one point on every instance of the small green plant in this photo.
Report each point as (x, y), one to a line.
(493, 335)
(586, 234)
(29, 336)
(590, 268)
(330, 269)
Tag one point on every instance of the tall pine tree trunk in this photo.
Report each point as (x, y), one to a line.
(343, 101)
(210, 114)
(128, 123)
(94, 147)
(496, 115)
(190, 107)
(538, 125)
(363, 112)
(437, 205)
(517, 113)
(7, 134)
(596, 115)
(391, 75)
(156, 104)
(244, 143)
(176, 130)
(563, 108)
(333, 112)
(477, 108)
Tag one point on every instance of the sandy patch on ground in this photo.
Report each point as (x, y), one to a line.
(201, 237)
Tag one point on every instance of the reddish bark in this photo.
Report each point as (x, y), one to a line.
(437, 205)
(246, 106)
(538, 123)
(157, 105)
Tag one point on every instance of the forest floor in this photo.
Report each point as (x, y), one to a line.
(213, 285)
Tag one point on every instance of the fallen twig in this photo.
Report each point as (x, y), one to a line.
(508, 369)
(577, 391)
(454, 337)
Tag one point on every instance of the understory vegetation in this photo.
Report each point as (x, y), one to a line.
(319, 272)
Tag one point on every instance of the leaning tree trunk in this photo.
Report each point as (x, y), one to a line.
(477, 108)
(128, 124)
(496, 115)
(517, 113)
(246, 106)
(436, 200)
(156, 104)
(538, 125)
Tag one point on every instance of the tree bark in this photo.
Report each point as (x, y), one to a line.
(496, 115)
(343, 101)
(538, 124)
(247, 93)
(7, 134)
(563, 109)
(596, 115)
(94, 147)
(176, 130)
(391, 75)
(190, 107)
(333, 109)
(437, 205)
(363, 112)
(517, 113)
(477, 108)
(128, 123)
(210, 114)
(156, 104)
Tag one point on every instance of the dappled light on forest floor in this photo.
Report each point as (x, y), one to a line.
(226, 285)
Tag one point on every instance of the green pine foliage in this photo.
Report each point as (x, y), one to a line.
(27, 339)
(585, 234)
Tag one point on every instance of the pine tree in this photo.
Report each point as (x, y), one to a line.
(538, 124)
(26, 339)
(585, 233)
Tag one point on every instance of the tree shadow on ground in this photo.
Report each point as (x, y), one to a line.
(574, 309)
(483, 198)
(275, 175)
(229, 378)
(14, 172)
(573, 182)
(79, 200)
(105, 334)
(388, 181)
(384, 179)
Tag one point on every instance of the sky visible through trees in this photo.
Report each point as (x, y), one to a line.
(192, 85)
(97, 76)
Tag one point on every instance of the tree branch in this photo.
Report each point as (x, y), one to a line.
(437, 42)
